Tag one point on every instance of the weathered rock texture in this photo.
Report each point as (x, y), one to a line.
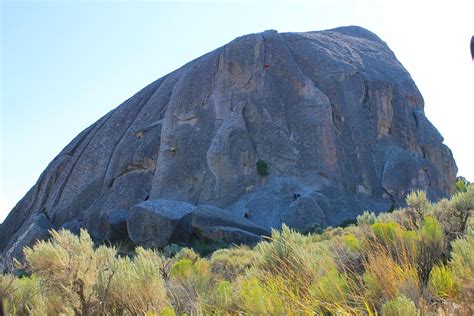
(337, 118)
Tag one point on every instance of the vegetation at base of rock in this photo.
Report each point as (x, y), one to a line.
(414, 261)
(262, 168)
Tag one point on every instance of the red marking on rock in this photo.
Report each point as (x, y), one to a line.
(266, 66)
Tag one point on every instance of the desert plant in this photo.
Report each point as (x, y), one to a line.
(191, 284)
(366, 218)
(462, 254)
(230, 263)
(461, 184)
(399, 306)
(187, 253)
(332, 289)
(70, 266)
(262, 168)
(259, 298)
(352, 242)
(418, 206)
(137, 285)
(24, 296)
(442, 283)
(431, 247)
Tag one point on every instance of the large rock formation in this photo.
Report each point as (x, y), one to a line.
(337, 119)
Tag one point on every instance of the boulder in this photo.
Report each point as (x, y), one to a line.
(152, 223)
(73, 226)
(36, 228)
(333, 114)
(304, 213)
(117, 225)
(230, 235)
(205, 216)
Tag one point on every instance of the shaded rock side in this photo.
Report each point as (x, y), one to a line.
(338, 120)
(156, 223)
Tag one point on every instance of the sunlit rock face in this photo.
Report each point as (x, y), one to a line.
(337, 119)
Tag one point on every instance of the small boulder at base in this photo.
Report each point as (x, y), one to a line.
(151, 223)
(117, 225)
(231, 235)
(205, 216)
(37, 228)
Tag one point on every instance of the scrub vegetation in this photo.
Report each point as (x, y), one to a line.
(418, 260)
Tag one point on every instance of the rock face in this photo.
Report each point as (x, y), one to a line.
(337, 119)
(156, 223)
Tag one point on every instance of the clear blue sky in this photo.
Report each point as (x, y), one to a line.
(66, 63)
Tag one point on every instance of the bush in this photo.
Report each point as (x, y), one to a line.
(69, 266)
(418, 206)
(24, 296)
(442, 283)
(206, 247)
(367, 218)
(258, 298)
(332, 289)
(455, 214)
(461, 184)
(399, 306)
(352, 242)
(228, 264)
(463, 257)
(386, 233)
(262, 168)
(431, 247)
(137, 285)
(191, 285)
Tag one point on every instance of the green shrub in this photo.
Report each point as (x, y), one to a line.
(137, 285)
(386, 233)
(69, 265)
(462, 208)
(431, 247)
(293, 255)
(262, 168)
(418, 206)
(24, 296)
(442, 283)
(399, 306)
(331, 290)
(462, 254)
(461, 184)
(191, 285)
(352, 242)
(258, 298)
(455, 214)
(367, 218)
(222, 300)
(187, 253)
(230, 263)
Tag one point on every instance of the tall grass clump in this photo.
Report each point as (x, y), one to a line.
(442, 283)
